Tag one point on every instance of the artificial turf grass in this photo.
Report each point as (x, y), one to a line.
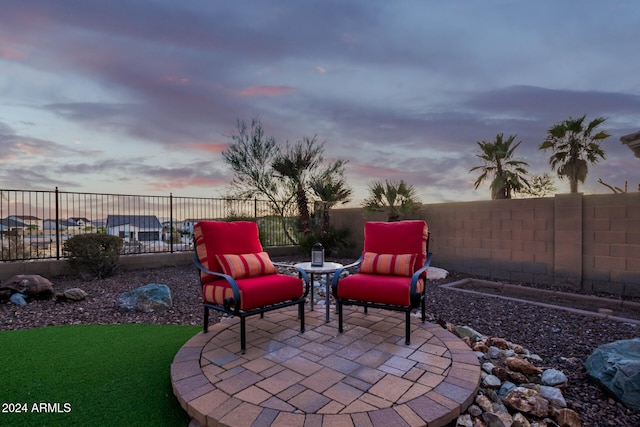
(91, 375)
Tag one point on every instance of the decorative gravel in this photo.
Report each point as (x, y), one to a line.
(563, 339)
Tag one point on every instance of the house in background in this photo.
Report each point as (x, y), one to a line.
(31, 222)
(11, 224)
(633, 142)
(141, 228)
(169, 226)
(80, 222)
(63, 225)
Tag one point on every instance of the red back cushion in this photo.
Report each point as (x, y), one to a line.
(246, 265)
(401, 237)
(218, 237)
(388, 264)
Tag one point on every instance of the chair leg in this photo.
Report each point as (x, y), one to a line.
(243, 337)
(301, 315)
(424, 316)
(339, 307)
(206, 319)
(407, 332)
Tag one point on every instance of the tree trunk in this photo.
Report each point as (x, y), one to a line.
(573, 183)
(326, 220)
(303, 211)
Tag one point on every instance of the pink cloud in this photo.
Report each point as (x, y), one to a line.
(210, 147)
(175, 80)
(197, 181)
(375, 171)
(7, 52)
(265, 91)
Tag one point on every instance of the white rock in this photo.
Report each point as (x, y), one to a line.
(464, 421)
(435, 273)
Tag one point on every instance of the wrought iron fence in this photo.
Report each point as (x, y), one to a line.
(35, 224)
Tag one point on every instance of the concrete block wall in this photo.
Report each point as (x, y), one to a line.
(567, 240)
(611, 242)
(583, 242)
(52, 268)
(505, 239)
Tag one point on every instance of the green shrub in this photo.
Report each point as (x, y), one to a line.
(335, 242)
(94, 254)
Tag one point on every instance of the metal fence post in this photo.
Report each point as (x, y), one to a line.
(57, 225)
(171, 222)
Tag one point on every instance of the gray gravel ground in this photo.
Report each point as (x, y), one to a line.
(563, 339)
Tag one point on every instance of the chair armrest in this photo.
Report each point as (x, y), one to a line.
(301, 273)
(417, 274)
(229, 279)
(336, 275)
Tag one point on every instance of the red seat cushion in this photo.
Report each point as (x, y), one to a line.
(218, 237)
(256, 292)
(390, 290)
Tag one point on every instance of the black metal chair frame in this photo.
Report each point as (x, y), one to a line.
(417, 298)
(231, 306)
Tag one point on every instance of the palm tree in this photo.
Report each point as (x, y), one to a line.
(331, 189)
(574, 146)
(395, 198)
(295, 166)
(302, 165)
(509, 175)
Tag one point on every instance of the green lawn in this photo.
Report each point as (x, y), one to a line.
(91, 375)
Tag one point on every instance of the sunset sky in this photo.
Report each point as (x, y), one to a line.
(141, 97)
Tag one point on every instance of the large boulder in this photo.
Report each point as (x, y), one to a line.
(147, 298)
(616, 366)
(29, 285)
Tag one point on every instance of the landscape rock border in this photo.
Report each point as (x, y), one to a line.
(604, 313)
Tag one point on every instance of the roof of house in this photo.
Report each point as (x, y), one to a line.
(78, 219)
(11, 222)
(24, 217)
(140, 221)
(63, 222)
(633, 142)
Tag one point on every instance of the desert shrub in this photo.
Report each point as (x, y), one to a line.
(96, 255)
(335, 242)
(12, 248)
(175, 237)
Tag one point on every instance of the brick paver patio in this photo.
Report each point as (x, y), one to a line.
(365, 376)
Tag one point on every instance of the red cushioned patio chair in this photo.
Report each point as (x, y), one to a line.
(392, 271)
(237, 276)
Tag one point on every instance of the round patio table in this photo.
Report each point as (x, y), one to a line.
(327, 268)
